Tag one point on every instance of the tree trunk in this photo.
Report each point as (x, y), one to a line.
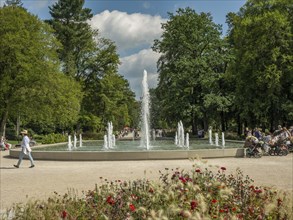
(239, 125)
(223, 121)
(4, 117)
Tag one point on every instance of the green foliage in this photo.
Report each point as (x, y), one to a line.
(261, 35)
(88, 135)
(52, 138)
(191, 68)
(199, 193)
(31, 85)
(93, 61)
(69, 20)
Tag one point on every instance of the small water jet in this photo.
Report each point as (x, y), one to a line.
(80, 140)
(217, 139)
(210, 136)
(74, 141)
(109, 137)
(223, 140)
(69, 143)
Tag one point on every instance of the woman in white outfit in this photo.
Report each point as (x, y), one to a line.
(25, 149)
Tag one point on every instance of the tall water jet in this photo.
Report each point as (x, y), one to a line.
(145, 113)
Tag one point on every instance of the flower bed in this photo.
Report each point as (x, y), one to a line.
(195, 194)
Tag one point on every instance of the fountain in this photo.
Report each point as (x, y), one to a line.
(223, 140)
(210, 136)
(145, 113)
(109, 138)
(80, 140)
(130, 150)
(217, 139)
(69, 143)
(74, 141)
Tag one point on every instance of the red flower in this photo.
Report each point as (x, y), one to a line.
(197, 170)
(233, 209)
(63, 214)
(132, 207)
(183, 180)
(214, 201)
(151, 190)
(223, 168)
(193, 204)
(258, 191)
(110, 200)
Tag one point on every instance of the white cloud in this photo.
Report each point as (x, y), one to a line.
(132, 68)
(128, 31)
(132, 32)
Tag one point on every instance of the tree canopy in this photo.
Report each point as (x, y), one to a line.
(29, 71)
(191, 67)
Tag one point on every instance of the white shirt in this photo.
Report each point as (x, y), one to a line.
(25, 142)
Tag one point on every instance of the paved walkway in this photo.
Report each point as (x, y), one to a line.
(20, 185)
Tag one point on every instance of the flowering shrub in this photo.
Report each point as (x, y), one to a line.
(195, 194)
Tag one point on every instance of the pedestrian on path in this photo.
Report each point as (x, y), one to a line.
(25, 149)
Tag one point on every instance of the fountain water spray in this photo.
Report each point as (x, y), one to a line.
(187, 140)
(180, 135)
(223, 140)
(80, 140)
(74, 141)
(145, 113)
(210, 136)
(109, 138)
(69, 143)
(217, 139)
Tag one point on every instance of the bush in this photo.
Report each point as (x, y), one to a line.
(52, 138)
(195, 194)
(92, 136)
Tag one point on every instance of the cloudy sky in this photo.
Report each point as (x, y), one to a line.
(134, 24)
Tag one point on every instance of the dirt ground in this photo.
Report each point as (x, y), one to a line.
(40, 182)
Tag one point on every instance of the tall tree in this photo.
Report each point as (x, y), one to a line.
(93, 61)
(29, 71)
(261, 36)
(69, 19)
(194, 58)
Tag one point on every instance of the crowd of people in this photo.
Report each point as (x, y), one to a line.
(269, 143)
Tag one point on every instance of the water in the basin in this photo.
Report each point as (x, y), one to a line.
(194, 144)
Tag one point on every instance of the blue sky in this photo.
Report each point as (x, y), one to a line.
(134, 24)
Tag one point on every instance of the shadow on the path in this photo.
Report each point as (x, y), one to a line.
(7, 168)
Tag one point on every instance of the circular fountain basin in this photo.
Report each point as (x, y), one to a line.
(130, 150)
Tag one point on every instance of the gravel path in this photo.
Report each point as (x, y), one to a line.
(20, 185)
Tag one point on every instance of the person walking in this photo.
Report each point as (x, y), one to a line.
(25, 149)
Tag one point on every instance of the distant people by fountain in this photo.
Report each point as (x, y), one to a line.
(200, 133)
(4, 144)
(25, 149)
